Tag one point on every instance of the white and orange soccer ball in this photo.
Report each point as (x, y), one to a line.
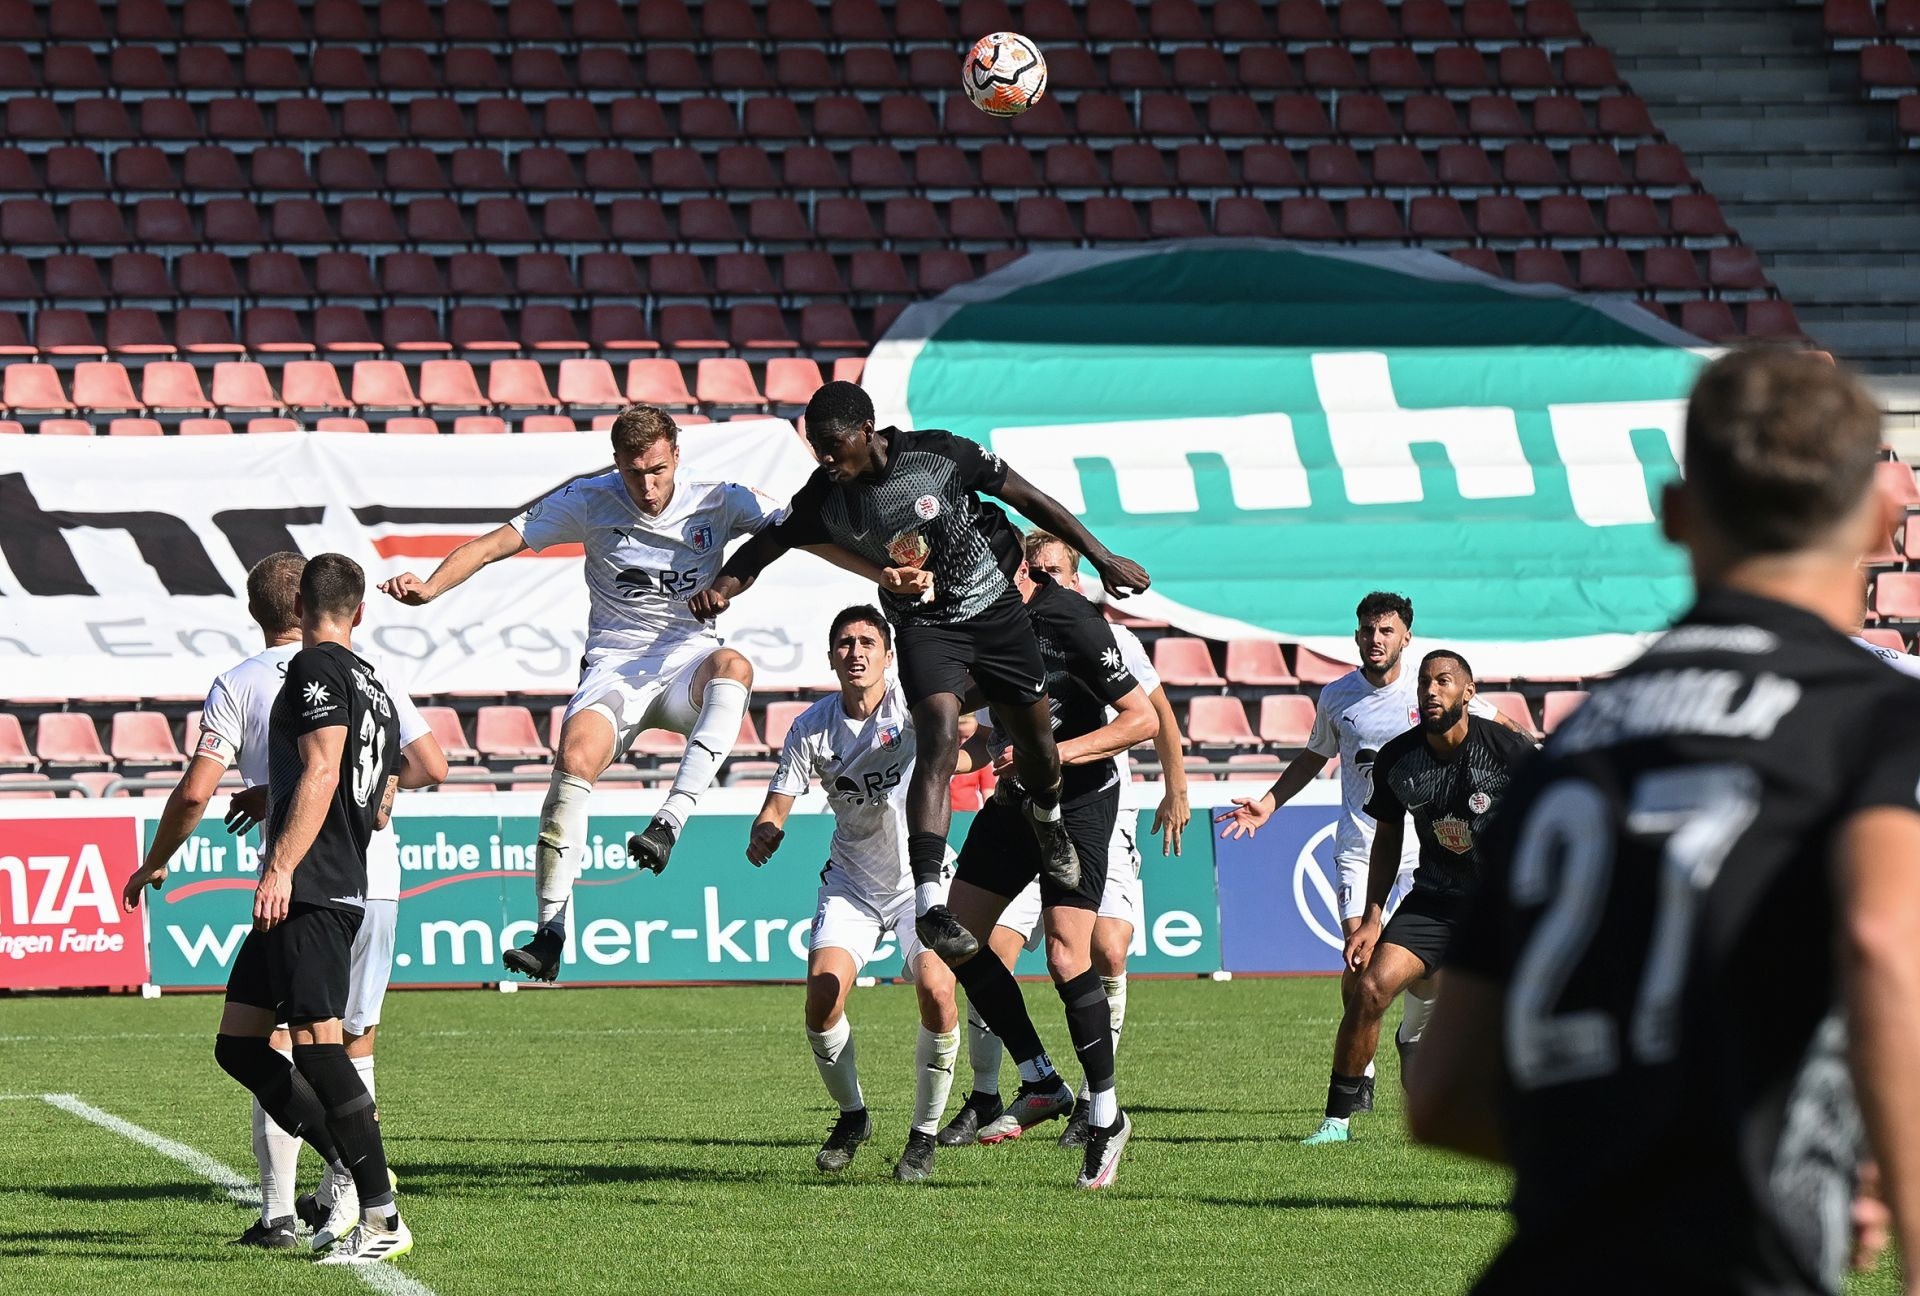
(1004, 74)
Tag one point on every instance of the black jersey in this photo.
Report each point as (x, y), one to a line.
(1659, 905)
(327, 685)
(927, 497)
(1452, 801)
(1085, 675)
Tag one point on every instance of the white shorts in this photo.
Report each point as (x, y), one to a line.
(372, 966)
(1352, 872)
(1124, 898)
(638, 691)
(848, 919)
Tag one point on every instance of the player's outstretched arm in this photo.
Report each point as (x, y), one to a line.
(501, 542)
(1171, 817)
(908, 582)
(1880, 955)
(185, 805)
(769, 828)
(1456, 1077)
(422, 763)
(1248, 816)
(1134, 722)
(307, 809)
(1120, 576)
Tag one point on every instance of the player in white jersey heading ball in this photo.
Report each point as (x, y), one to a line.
(233, 731)
(1355, 717)
(651, 540)
(1122, 902)
(860, 744)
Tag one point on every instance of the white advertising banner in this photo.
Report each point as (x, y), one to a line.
(123, 561)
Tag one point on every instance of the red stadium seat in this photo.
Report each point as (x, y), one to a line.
(143, 739)
(1312, 668)
(243, 386)
(1773, 319)
(103, 386)
(68, 739)
(1513, 706)
(514, 384)
(658, 382)
(444, 385)
(792, 380)
(311, 385)
(1712, 320)
(14, 753)
(1557, 705)
(173, 386)
(507, 733)
(1258, 662)
(1607, 269)
(1286, 720)
(1542, 265)
(1184, 662)
(135, 427)
(1673, 270)
(726, 381)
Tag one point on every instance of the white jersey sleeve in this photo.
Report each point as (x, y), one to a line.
(1905, 663)
(1477, 705)
(748, 511)
(794, 774)
(222, 727)
(1324, 740)
(557, 518)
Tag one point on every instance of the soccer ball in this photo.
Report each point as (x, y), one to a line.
(1004, 74)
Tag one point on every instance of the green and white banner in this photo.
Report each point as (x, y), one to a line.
(1273, 430)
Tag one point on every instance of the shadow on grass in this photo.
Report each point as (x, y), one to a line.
(1333, 1202)
(97, 1244)
(188, 1191)
(628, 1140)
(533, 1176)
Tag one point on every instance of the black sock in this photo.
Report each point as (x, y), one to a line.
(926, 856)
(351, 1117)
(1090, 1028)
(283, 1093)
(1343, 1095)
(995, 995)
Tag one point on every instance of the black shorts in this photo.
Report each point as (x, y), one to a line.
(1423, 925)
(299, 969)
(1002, 855)
(995, 650)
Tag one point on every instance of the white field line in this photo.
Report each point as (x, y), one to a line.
(381, 1278)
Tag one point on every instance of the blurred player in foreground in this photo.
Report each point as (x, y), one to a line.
(859, 744)
(1691, 979)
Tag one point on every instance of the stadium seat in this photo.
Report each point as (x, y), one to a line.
(1314, 669)
(1286, 720)
(1774, 320)
(1258, 662)
(517, 385)
(1185, 662)
(1896, 597)
(1896, 480)
(104, 387)
(658, 382)
(205, 427)
(173, 387)
(727, 381)
(1511, 705)
(1220, 722)
(312, 386)
(444, 385)
(243, 386)
(502, 733)
(68, 739)
(14, 754)
(779, 718)
(143, 739)
(589, 384)
(122, 427)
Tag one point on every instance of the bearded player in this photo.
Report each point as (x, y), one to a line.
(651, 540)
(859, 743)
(1355, 717)
(895, 497)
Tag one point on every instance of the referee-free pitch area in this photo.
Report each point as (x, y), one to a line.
(663, 1140)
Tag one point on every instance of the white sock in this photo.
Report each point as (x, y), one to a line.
(984, 1052)
(278, 1155)
(1368, 1073)
(1034, 1070)
(721, 706)
(1103, 1109)
(1414, 1017)
(833, 1054)
(563, 831)
(933, 1058)
(925, 896)
(364, 1065)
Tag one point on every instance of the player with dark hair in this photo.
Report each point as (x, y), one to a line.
(1690, 981)
(912, 499)
(233, 731)
(859, 743)
(1353, 719)
(651, 541)
(333, 747)
(1451, 774)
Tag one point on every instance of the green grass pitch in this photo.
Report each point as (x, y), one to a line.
(663, 1140)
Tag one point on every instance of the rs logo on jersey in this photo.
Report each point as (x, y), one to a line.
(872, 784)
(638, 582)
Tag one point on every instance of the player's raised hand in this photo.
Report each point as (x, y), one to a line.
(763, 842)
(1170, 820)
(270, 899)
(1360, 944)
(907, 582)
(1248, 816)
(147, 875)
(1123, 576)
(408, 589)
(246, 809)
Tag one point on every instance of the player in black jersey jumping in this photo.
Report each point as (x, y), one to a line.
(1451, 774)
(912, 499)
(1690, 981)
(333, 750)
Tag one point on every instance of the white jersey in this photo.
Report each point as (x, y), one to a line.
(233, 731)
(1905, 663)
(864, 767)
(642, 570)
(1354, 720)
(1134, 654)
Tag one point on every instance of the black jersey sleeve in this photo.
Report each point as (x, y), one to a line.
(979, 469)
(320, 690)
(1092, 652)
(1384, 803)
(803, 523)
(1889, 774)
